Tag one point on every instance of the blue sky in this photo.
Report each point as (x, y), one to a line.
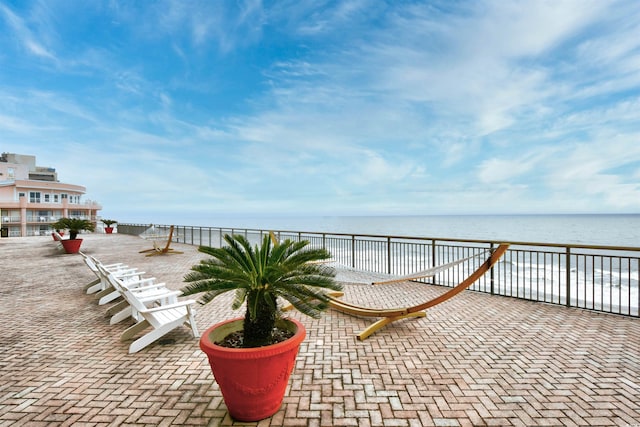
(357, 107)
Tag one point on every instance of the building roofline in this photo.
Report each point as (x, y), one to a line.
(49, 185)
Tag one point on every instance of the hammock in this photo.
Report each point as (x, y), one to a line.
(392, 314)
(382, 279)
(158, 241)
(153, 233)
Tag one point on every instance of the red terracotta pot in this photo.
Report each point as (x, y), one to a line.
(71, 246)
(54, 236)
(252, 380)
(108, 230)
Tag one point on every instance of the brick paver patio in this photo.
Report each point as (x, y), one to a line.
(475, 360)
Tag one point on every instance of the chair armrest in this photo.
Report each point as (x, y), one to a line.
(116, 265)
(159, 296)
(133, 284)
(146, 288)
(129, 273)
(169, 306)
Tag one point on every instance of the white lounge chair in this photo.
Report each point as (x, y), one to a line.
(162, 319)
(132, 278)
(101, 286)
(147, 291)
(100, 283)
(151, 296)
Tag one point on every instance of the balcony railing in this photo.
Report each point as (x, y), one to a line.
(33, 218)
(600, 278)
(10, 220)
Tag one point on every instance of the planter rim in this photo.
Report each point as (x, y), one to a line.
(207, 345)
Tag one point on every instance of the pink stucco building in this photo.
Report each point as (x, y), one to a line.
(32, 198)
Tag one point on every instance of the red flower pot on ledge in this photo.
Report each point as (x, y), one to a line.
(108, 230)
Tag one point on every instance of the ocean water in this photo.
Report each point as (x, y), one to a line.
(611, 230)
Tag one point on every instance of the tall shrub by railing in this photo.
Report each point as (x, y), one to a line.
(601, 278)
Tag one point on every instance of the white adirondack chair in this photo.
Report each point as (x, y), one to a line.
(101, 286)
(162, 319)
(147, 292)
(98, 284)
(110, 292)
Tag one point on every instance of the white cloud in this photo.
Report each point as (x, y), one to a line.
(14, 125)
(25, 36)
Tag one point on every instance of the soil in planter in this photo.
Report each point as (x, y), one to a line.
(236, 339)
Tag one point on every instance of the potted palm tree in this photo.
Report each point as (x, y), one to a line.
(253, 357)
(75, 226)
(108, 223)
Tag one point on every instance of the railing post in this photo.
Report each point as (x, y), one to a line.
(433, 259)
(433, 253)
(388, 255)
(568, 275)
(353, 251)
(491, 275)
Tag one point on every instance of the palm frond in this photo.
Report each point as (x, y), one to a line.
(306, 300)
(210, 290)
(240, 298)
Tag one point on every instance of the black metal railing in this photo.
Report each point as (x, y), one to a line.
(601, 278)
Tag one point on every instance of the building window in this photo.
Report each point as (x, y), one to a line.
(47, 198)
(34, 197)
(11, 172)
(56, 198)
(43, 216)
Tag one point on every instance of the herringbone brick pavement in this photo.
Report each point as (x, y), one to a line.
(475, 360)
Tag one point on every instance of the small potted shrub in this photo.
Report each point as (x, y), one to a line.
(252, 357)
(57, 233)
(75, 226)
(108, 223)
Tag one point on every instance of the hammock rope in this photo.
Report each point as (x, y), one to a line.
(354, 275)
